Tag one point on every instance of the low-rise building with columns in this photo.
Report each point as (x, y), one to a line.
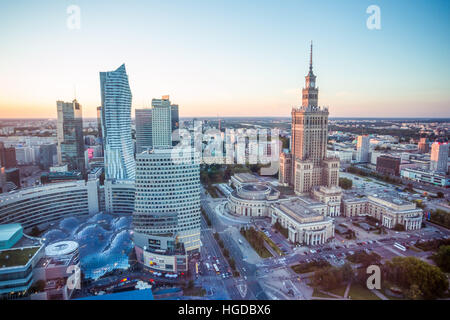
(252, 200)
(305, 225)
(331, 197)
(388, 209)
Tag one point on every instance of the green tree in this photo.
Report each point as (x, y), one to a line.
(232, 264)
(35, 232)
(345, 183)
(328, 278)
(408, 271)
(347, 272)
(414, 292)
(442, 258)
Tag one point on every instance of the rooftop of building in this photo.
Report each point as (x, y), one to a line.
(17, 256)
(299, 210)
(15, 194)
(65, 174)
(424, 171)
(245, 177)
(329, 190)
(7, 231)
(255, 187)
(390, 198)
(61, 248)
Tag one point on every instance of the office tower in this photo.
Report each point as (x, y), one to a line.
(116, 125)
(166, 220)
(175, 123)
(99, 128)
(3, 186)
(439, 156)
(362, 148)
(25, 155)
(309, 128)
(161, 122)
(388, 165)
(7, 157)
(423, 146)
(143, 129)
(69, 131)
(47, 152)
(284, 175)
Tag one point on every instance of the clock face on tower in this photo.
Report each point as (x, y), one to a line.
(312, 83)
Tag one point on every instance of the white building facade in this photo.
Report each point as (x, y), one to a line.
(166, 220)
(51, 202)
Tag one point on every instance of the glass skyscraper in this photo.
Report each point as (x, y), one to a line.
(70, 135)
(116, 125)
(161, 123)
(143, 129)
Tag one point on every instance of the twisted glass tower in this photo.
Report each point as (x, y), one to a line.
(116, 125)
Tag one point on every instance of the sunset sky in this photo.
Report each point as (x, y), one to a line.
(228, 58)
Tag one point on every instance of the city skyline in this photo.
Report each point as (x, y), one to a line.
(215, 62)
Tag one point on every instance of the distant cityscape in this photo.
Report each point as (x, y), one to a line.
(168, 207)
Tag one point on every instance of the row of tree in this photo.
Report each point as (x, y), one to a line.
(441, 217)
(284, 231)
(416, 278)
(256, 240)
(226, 254)
(376, 175)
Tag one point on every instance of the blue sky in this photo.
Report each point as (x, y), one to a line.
(229, 58)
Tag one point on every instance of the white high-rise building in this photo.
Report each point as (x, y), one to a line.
(161, 122)
(439, 156)
(25, 155)
(116, 125)
(362, 148)
(143, 129)
(166, 218)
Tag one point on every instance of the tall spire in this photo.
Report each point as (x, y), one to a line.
(310, 57)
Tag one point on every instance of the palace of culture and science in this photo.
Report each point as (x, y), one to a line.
(306, 167)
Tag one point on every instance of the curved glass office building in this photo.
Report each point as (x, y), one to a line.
(116, 125)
